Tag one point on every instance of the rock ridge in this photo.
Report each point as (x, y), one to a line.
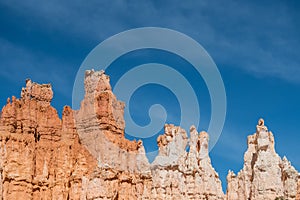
(85, 155)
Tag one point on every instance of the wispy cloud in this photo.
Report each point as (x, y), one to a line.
(262, 40)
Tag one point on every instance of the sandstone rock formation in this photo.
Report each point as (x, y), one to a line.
(40, 155)
(85, 155)
(122, 164)
(178, 174)
(265, 175)
(298, 188)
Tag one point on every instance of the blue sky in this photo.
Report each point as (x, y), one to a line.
(255, 44)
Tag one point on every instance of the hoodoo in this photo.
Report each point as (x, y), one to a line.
(85, 155)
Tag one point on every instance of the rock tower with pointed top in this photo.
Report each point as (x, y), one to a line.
(265, 175)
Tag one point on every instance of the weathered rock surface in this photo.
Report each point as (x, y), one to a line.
(124, 168)
(40, 155)
(178, 174)
(85, 155)
(265, 175)
(298, 188)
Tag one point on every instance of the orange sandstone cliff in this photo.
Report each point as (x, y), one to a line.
(85, 155)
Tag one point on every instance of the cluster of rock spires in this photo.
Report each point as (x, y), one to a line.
(264, 175)
(85, 155)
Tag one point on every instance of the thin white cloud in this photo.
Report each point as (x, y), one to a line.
(247, 36)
